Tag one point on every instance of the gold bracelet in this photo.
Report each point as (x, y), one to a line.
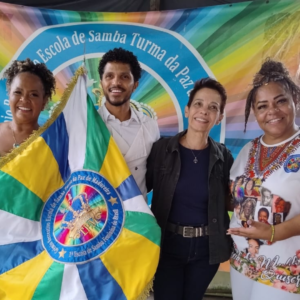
(273, 233)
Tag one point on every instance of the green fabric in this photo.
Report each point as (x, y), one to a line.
(21, 205)
(97, 139)
(50, 286)
(143, 224)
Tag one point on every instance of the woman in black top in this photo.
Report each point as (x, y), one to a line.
(189, 175)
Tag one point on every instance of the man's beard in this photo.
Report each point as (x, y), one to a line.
(117, 103)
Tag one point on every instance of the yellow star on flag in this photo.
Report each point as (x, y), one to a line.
(113, 200)
(62, 253)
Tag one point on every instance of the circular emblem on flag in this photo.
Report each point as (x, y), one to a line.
(82, 219)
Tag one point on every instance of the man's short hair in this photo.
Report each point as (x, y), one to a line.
(123, 56)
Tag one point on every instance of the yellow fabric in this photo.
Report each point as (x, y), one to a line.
(129, 274)
(20, 283)
(116, 175)
(27, 166)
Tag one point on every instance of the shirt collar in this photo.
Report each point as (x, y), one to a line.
(108, 116)
(215, 151)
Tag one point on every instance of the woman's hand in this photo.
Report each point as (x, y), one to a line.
(256, 230)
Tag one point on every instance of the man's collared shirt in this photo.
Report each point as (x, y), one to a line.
(127, 129)
(134, 138)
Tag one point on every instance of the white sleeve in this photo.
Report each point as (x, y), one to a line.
(152, 128)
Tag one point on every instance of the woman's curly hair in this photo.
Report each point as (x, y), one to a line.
(39, 69)
(271, 71)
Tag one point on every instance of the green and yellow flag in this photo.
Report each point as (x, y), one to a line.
(73, 222)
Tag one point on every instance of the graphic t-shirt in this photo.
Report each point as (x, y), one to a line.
(271, 176)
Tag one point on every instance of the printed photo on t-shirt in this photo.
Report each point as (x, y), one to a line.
(252, 250)
(263, 214)
(245, 224)
(238, 188)
(250, 188)
(277, 218)
(281, 206)
(266, 197)
(237, 209)
(247, 208)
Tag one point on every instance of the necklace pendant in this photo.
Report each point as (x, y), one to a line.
(195, 160)
(15, 145)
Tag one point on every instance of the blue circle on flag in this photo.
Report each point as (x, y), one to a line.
(82, 219)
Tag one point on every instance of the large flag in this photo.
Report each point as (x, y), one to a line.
(73, 223)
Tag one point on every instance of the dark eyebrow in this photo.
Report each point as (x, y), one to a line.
(200, 99)
(19, 88)
(263, 101)
(280, 95)
(217, 103)
(122, 73)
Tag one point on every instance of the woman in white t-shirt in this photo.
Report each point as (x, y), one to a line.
(272, 163)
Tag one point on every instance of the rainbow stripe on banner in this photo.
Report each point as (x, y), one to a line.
(228, 42)
(73, 223)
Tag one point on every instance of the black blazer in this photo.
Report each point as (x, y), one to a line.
(163, 169)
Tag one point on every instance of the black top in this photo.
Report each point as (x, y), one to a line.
(190, 200)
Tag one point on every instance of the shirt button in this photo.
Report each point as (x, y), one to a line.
(214, 220)
(136, 168)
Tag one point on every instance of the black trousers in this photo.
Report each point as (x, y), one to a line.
(184, 272)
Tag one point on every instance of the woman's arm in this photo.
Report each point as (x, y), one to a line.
(258, 230)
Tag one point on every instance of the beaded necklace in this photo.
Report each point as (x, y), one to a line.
(262, 162)
(269, 154)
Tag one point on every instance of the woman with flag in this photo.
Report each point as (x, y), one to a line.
(189, 175)
(65, 195)
(29, 86)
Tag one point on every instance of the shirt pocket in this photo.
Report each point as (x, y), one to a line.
(218, 172)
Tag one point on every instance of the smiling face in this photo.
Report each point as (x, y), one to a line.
(275, 112)
(249, 185)
(263, 216)
(117, 83)
(204, 111)
(26, 98)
